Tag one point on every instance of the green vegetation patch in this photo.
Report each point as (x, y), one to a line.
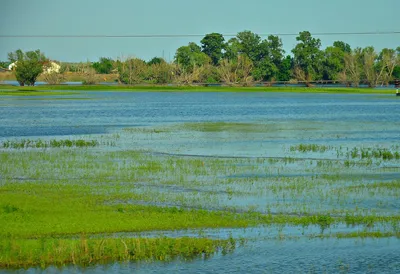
(309, 148)
(47, 144)
(224, 126)
(160, 88)
(34, 92)
(59, 252)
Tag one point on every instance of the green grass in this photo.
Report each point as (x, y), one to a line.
(59, 252)
(309, 148)
(33, 92)
(5, 90)
(20, 144)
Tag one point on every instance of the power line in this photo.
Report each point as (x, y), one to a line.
(187, 35)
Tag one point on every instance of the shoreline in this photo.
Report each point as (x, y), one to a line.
(31, 90)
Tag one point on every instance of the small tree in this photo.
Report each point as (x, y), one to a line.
(104, 65)
(28, 67)
(236, 72)
(132, 71)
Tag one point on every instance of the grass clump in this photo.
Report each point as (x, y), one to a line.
(20, 144)
(373, 153)
(309, 148)
(59, 252)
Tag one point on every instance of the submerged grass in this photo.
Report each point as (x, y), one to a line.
(51, 197)
(19, 144)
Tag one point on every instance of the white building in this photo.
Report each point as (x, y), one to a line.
(12, 66)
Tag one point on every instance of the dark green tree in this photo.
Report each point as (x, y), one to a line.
(232, 49)
(4, 64)
(343, 46)
(308, 56)
(396, 70)
(104, 65)
(29, 65)
(156, 60)
(249, 44)
(213, 45)
(333, 62)
(285, 69)
(269, 60)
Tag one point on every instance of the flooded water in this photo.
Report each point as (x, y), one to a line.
(247, 145)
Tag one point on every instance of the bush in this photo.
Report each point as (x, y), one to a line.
(104, 66)
(29, 65)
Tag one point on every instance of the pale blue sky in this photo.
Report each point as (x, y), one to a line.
(133, 17)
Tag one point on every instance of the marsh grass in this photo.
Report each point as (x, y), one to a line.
(373, 153)
(83, 252)
(20, 144)
(34, 92)
(309, 148)
(49, 197)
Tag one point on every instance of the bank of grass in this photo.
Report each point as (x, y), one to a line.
(59, 252)
(8, 90)
(27, 143)
(33, 91)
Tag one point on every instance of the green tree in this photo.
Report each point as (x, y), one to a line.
(285, 69)
(4, 64)
(190, 56)
(29, 65)
(396, 70)
(232, 49)
(156, 60)
(213, 45)
(343, 46)
(333, 62)
(104, 65)
(308, 56)
(269, 59)
(249, 44)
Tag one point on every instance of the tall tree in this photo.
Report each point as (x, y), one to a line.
(333, 62)
(307, 55)
(396, 70)
(232, 49)
(285, 69)
(269, 60)
(353, 67)
(213, 45)
(249, 44)
(369, 68)
(386, 64)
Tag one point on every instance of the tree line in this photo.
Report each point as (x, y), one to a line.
(247, 58)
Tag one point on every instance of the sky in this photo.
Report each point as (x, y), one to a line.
(182, 17)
